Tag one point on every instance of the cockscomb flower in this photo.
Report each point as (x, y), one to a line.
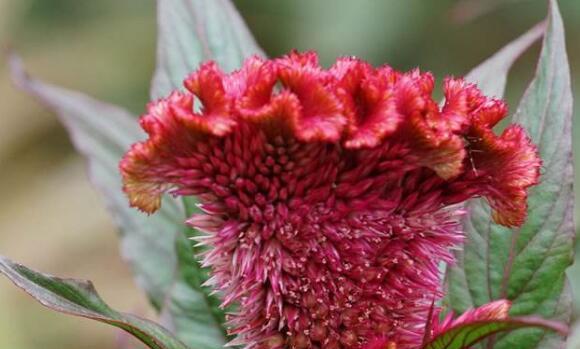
(329, 196)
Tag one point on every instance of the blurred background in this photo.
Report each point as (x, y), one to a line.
(50, 217)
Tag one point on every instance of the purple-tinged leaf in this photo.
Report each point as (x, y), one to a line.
(79, 298)
(156, 247)
(527, 265)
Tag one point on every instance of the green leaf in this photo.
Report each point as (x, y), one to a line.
(156, 246)
(465, 335)
(194, 31)
(491, 75)
(527, 265)
(79, 298)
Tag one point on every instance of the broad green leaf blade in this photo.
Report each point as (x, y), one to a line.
(527, 265)
(79, 298)
(153, 245)
(465, 335)
(491, 75)
(193, 31)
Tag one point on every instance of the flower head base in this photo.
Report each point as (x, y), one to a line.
(329, 197)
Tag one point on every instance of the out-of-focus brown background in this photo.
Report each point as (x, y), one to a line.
(50, 217)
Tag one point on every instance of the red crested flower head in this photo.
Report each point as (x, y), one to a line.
(329, 196)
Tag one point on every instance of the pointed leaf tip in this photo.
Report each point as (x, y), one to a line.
(79, 298)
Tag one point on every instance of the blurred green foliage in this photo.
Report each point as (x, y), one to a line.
(107, 47)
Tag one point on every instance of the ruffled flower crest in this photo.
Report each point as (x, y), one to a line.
(328, 196)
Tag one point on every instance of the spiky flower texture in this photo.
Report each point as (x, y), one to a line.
(329, 196)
